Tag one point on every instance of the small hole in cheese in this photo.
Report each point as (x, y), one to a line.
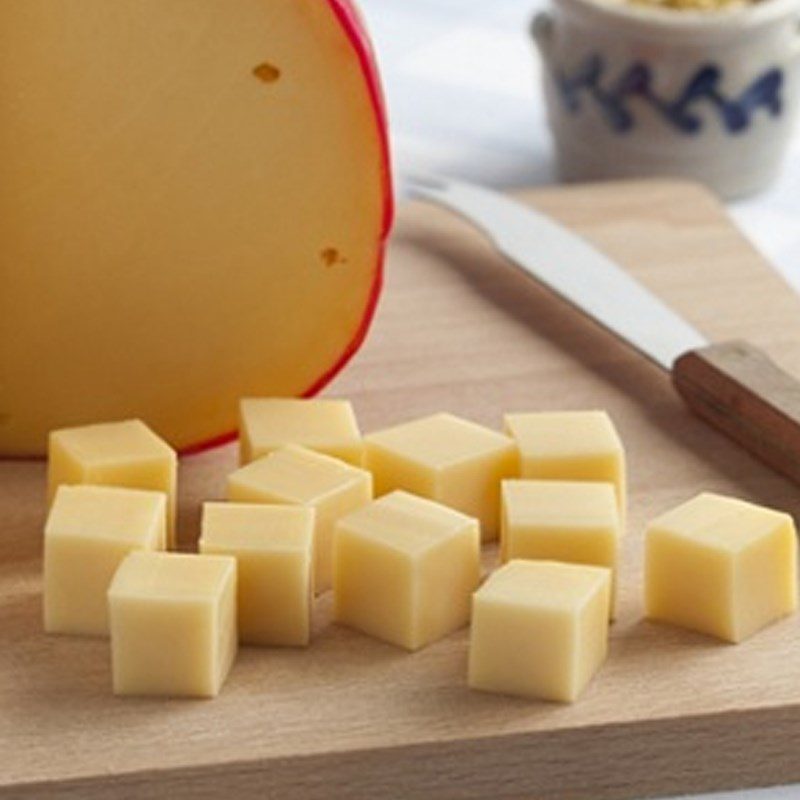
(331, 257)
(266, 72)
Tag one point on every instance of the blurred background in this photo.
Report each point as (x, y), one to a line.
(463, 88)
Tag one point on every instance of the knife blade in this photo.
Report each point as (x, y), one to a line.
(569, 266)
(733, 385)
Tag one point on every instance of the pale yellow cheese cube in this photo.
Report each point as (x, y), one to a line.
(89, 531)
(539, 629)
(173, 624)
(448, 459)
(125, 454)
(569, 446)
(405, 569)
(721, 566)
(297, 476)
(273, 548)
(573, 521)
(325, 425)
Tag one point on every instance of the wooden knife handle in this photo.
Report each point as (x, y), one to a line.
(738, 389)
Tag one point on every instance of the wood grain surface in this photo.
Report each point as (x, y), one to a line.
(352, 717)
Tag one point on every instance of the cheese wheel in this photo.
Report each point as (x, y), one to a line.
(194, 197)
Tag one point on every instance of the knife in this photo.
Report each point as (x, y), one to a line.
(732, 385)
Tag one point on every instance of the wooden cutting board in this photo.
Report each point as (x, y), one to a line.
(352, 717)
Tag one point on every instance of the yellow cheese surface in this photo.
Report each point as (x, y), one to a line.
(273, 548)
(327, 426)
(192, 200)
(124, 453)
(570, 446)
(89, 531)
(721, 566)
(173, 624)
(539, 629)
(405, 569)
(298, 476)
(444, 458)
(573, 521)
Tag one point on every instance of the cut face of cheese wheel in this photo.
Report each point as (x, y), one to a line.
(193, 204)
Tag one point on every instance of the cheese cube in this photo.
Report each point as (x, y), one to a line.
(573, 521)
(569, 446)
(89, 531)
(125, 454)
(173, 624)
(273, 548)
(298, 476)
(405, 569)
(447, 459)
(721, 566)
(539, 629)
(327, 426)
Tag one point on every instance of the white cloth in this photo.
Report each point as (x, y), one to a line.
(462, 85)
(463, 89)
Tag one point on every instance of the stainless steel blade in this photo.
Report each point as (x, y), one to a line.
(569, 266)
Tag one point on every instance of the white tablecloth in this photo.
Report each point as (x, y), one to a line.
(463, 89)
(462, 86)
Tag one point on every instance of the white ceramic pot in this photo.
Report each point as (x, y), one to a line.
(639, 91)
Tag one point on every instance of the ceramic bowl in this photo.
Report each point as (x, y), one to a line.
(636, 91)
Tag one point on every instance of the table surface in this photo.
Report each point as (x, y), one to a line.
(462, 87)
